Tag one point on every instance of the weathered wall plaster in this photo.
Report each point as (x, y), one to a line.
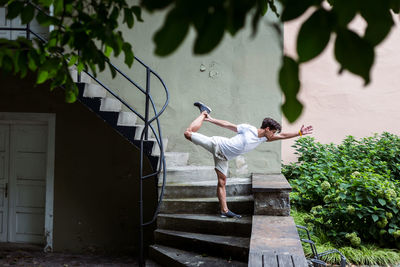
(238, 80)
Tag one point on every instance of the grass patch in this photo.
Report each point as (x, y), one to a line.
(366, 254)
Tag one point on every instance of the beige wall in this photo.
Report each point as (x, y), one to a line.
(96, 169)
(339, 105)
(239, 82)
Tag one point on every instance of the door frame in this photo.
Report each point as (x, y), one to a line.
(50, 120)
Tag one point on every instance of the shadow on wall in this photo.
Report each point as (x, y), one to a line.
(96, 173)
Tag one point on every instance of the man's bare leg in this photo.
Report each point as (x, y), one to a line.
(221, 191)
(195, 125)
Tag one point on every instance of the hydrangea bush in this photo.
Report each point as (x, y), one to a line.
(351, 189)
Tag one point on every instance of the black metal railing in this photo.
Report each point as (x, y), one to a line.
(145, 118)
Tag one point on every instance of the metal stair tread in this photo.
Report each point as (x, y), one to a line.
(208, 217)
(212, 199)
(189, 258)
(234, 241)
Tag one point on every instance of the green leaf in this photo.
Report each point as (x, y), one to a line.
(375, 217)
(129, 57)
(152, 5)
(395, 6)
(128, 17)
(211, 32)
(172, 33)
(58, 7)
(42, 76)
(138, 12)
(32, 59)
(80, 67)
(112, 70)
(14, 9)
(263, 6)
(354, 53)
(71, 93)
(290, 85)
(114, 14)
(27, 14)
(314, 35)
(295, 8)
(45, 20)
(382, 201)
(46, 3)
(380, 22)
(345, 11)
(359, 215)
(22, 59)
(108, 51)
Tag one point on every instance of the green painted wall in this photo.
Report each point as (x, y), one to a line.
(238, 80)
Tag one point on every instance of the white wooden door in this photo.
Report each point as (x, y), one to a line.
(28, 157)
(23, 160)
(4, 163)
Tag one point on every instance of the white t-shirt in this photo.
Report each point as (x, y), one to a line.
(246, 140)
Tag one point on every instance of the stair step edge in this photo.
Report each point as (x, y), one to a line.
(234, 241)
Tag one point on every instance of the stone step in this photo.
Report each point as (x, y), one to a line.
(127, 118)
(172, 257)
(156, 149)
(94, 90)
(110, 105)
(139, 130)
(183, 174)
(238, 204)
(234, 187)
(222, 246)
(175, 159)
(84, 77)
(205, 224)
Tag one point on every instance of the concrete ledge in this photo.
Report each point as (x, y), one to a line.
(270, 183)
(271, 194)
(274, 238)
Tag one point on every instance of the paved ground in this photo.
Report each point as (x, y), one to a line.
(29, 256)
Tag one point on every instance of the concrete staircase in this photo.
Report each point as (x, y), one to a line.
(190, 231)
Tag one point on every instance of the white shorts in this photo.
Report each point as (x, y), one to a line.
(220, 161)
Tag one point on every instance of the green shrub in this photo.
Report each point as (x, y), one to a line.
(350, 189)
(365, 254)
(365, 205)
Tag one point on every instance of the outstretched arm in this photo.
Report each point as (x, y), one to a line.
(303, 131)
(222, 123)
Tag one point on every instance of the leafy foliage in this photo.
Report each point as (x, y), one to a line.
(212, 18)
(92, 27)
(351, 189)
(86, 26)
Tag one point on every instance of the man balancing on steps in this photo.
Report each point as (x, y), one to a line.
(223, 149)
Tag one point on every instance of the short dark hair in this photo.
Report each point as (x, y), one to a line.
(271, 124)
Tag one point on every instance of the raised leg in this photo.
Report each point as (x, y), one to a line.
(195, 125)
